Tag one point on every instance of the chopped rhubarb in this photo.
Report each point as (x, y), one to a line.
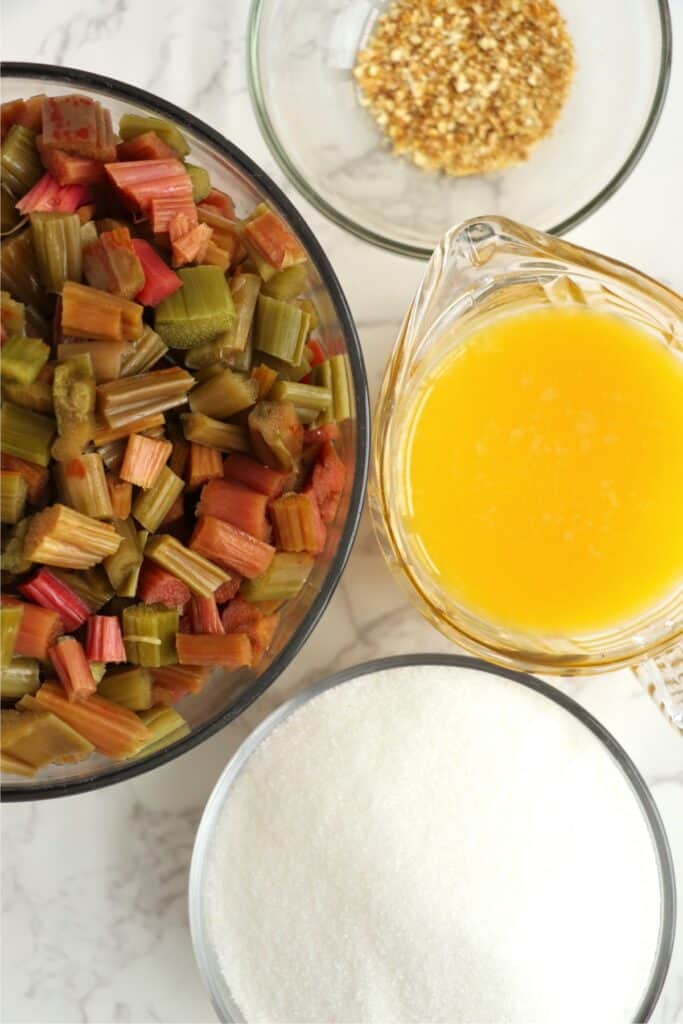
(228, 590)
(171, 682)
(103, 639)
(144, 459)
(315, 352)
(179, 225)
(265, 377)
(106, 435)
(120, 495)
(229, 651)
(164, 211)
(38, 630)
(148, 146)
(241, 617)
(37, 477)
(67, 539)
(50, 197)
(78, 125)
(157, 586)
(160, 281)
(37, 737)
(297, 521)
(190, 246)
(204, 615)
(236, 504)
(276, 435)
(273, 240)
(70, 170)
(72, 668)
(203, 464)
(28, 113)
(112, 264)
(261, 635)
(327, 481)
(141, 535)
(252, 474)
(143, 181)
(215, 256)
(91, 313)
(113, 730)
(222, 202)
(50, 592)
(224, 544)
(226, 233)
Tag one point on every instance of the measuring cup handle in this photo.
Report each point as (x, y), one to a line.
(662, 677)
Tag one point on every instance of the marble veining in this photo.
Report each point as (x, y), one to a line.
(94, 887)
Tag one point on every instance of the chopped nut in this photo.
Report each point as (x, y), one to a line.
(466, 87)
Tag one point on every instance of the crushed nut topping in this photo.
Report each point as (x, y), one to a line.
(466, 87)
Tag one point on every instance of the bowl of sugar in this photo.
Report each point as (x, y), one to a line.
(431, 838)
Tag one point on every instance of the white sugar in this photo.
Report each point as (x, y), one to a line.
(433, 844)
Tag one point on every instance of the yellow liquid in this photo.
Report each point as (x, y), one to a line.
(544, 472)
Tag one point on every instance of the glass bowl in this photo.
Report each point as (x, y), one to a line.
(225, 696)
(301, 58)
(207, 959)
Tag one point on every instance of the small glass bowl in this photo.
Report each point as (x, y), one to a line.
(226, 695)
(207, 958)
(301, 58)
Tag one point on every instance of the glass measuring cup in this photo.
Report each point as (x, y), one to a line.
(479, 270)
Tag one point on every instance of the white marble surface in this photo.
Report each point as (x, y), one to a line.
(94, 886)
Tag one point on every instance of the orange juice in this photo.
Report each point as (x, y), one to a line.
(544, 471)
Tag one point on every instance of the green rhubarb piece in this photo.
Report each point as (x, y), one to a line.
(13, 494)
(10, 218)
(12, 315)
(13, 559)
(281, 329)
(143, 353)
(25, 433)
(127, 556)
(149, 632)
(198, 311)
(151, 506)
(287, 283)
(282, 580)
(91, 585)
(20, 677)
(57, 246)
(38, 737)
(73, 394)
(166, 726)
(132, 125)
(129, 687)
(22, 359)
(19, 159)
(10, 622)
(201, 183)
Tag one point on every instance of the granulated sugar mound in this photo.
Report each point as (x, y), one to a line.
(433, 844)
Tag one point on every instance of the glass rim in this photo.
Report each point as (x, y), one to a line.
(91, 80)
(237, 763)
(300, 181)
